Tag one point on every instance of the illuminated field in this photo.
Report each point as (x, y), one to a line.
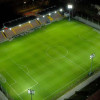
(48, 60)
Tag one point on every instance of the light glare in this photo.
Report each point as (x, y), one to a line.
(43, 16)
(37, 18)
(55, 12)
(49, 14)
(70, 6)
(9, 28)
(61, 10)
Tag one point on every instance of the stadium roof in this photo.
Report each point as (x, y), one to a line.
(47, 10)
(18, 21)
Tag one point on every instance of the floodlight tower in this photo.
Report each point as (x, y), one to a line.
(31, 92)
(70, 7)
(91, 57)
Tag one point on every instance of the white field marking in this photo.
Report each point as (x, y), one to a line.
(11, 78)
(27, 89)
(56, 50)
(2, 78)
(24, 71)
(65, 85)
(14, 91)
(96, 31)
(56, 58)
(28, 76)
(71, 61)
(75, 64)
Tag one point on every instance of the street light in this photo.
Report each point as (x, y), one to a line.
(31, 92)
(91, 57)
(69, 8)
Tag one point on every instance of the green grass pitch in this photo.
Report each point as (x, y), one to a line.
(49, 60)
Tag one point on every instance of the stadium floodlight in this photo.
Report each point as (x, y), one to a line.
(61, 10)
(49, 14)
(37, 18)
(24, 2)
(55, 12)
(31, 92)
(2, 30)
(9, 28)
(69, 8)
(29, 22)
(43, 16)
(91, 57)
(20, 25)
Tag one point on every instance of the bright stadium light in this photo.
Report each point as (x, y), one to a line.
(91, 57)
(69, 6)
(55, 12)
(49, 14)
(43, 16)
(20, 25)
(24, 2)
(61, 10)
(31, 92)
(29, 22)
(9, 28)
(37, 18)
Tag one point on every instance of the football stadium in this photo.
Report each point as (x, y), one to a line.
(47, 56)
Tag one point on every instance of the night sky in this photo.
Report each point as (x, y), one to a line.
(8, 7)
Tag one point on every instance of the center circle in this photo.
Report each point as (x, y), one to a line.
(57, 52)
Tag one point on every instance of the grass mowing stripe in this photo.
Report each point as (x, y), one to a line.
(34, 63)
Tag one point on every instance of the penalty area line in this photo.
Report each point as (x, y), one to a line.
(14, 91)
(11, 78)
(27, 89)
(36, 83)
(24, 71)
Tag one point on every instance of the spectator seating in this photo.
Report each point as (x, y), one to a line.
(32, 24)
(9, 33)
(22, 28)
(50, 18)
(44, 20)
(2, 37)
(56, 16)
(35, 23)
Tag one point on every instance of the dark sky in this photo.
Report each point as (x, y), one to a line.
(8, 7)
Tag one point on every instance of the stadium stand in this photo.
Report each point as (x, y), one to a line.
(43, 20)
(56, 16)
(50, 18)
(9, 33)
(35, 23)
(24, 27)
(2, 37)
